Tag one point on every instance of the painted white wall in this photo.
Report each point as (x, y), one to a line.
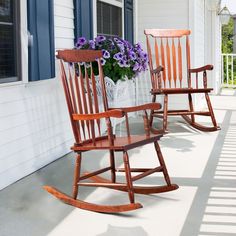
(34, 125)
(164, 14)
(204, 40)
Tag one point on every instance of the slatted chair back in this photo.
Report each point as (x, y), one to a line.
(170, 49)
(78, 69)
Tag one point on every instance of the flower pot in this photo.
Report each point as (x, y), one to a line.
(120, 94)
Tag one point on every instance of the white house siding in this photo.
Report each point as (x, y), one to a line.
(165, 14)
(197, 25)
(34, 125)
(182, 14)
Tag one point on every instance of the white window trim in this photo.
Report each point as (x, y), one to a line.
(114, 3)
(24, 41)
(23, 48)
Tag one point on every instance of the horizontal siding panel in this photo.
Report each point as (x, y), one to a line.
(64, 43)
(27, 91)
(30, 141)
(35, 150)
(45, 124)
(64, 33)
(61, 21)
(31, 104)
(64, 3)
(31, 107)
(64, 12)
(19, 119)
(32, 165)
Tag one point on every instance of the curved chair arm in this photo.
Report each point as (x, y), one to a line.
(116, 113)
(201, 69)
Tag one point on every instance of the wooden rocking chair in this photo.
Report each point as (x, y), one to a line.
(168, 76)
(79, 84)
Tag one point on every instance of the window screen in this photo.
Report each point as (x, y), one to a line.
(7, 41)
(109, 19)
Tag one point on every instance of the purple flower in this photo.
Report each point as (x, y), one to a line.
(70, 64)
(145, 55)
(137, 45)
(122, 63)
(132, 55)
(80, 42)
(129, 59)
(121, 46)
(105, 54)
(117, 40)
(98, 44)
(100, 38)
(91, 44)
(103, 61)
(136, 67)
(118, 56)
(127, 64)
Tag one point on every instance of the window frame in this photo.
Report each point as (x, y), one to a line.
(111, 2)
(16, 22)
(21, 47)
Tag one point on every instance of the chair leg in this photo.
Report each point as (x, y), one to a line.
(76, 175)
(128, 177)
(162, 163)
(210, 109)
(152, 111)
(165, 112)
(112, 162)
(190, 100)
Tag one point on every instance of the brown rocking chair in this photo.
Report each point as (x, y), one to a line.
(79, 84)
(168, 76)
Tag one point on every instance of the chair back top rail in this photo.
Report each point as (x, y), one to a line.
(167, 33)
(81, 71)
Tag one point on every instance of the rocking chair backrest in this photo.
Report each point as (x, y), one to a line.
(166, 46)
(78, 69)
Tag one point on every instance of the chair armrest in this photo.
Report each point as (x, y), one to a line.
(117, 113)
(148, 106)
(157, 70)
(201, 69)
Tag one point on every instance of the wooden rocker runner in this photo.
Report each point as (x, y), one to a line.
(86, 119)
(172, 74)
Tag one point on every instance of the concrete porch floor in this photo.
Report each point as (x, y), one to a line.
(202, 164)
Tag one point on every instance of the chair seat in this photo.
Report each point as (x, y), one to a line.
(120, 143)
(180, 90)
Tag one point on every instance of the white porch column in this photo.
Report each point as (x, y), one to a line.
(213, 43)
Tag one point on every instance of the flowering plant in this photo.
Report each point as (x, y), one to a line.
(120, 59)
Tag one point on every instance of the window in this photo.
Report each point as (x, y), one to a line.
(8, 41)
(109, 18)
